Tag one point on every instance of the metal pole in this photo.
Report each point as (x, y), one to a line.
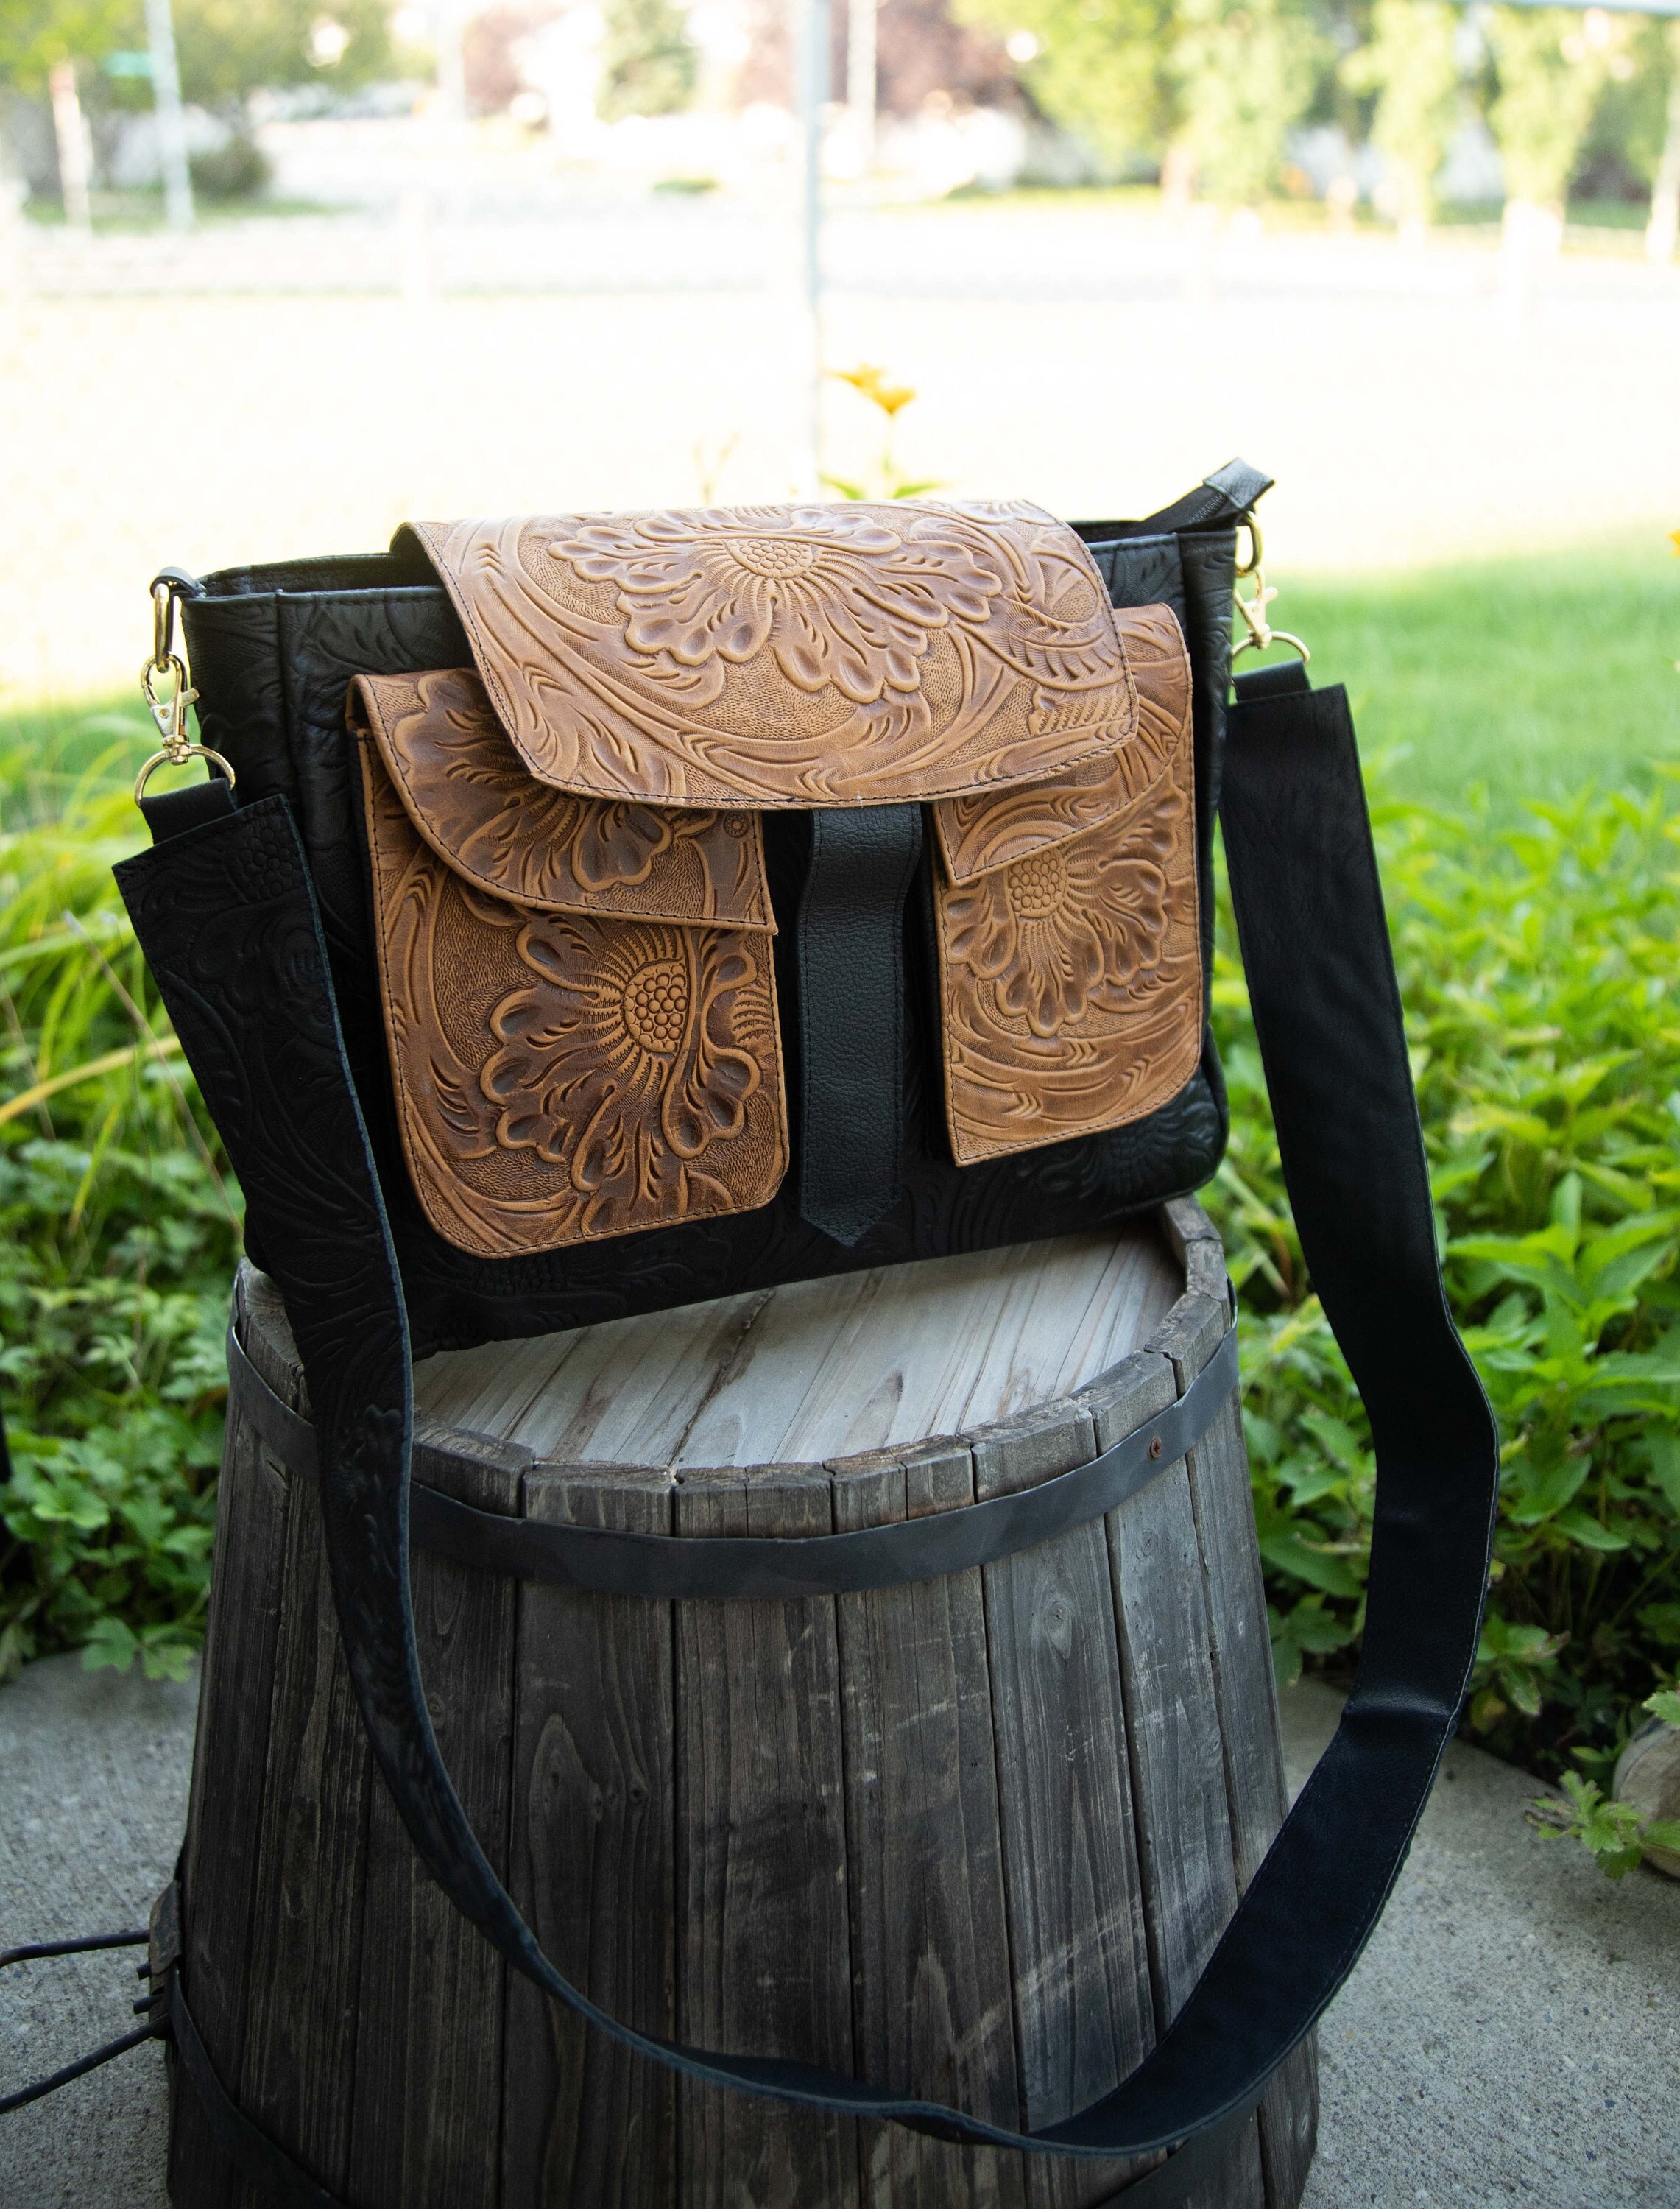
(860, 75)
(167, 105)
(1664, 226)
(811, 49)
(451, 61)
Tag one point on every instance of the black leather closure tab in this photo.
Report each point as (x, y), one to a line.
(172, 812)
(851, 951)
(1285, 678)
(751, 1569)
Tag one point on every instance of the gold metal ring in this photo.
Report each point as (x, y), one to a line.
(1256, 548)
(180, 759)
(1271, 637)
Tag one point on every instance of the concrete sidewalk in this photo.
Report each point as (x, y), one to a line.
(1512, 2034)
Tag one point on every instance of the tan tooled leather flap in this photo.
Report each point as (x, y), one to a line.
(561, 1076)
(791, 656)
(984, 829)
(1069, 947)
(470, 797)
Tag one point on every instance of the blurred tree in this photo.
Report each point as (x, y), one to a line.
(36, 34)
(229, 48)
(1412, 64)
(1102, 68)
(649, 62)
(1246, 71)
(1213, 86)
(1624, 143)
(1552, 67)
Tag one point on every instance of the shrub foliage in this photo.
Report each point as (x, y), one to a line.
(118, 1230)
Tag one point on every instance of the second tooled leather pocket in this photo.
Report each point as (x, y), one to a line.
(579, 995)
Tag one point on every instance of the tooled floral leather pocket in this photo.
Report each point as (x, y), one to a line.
(578, 996)
(571, 910)
(1069, 938)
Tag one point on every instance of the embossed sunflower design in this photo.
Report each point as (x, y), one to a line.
(842, 598)
(1081, 925)
(624, 1065)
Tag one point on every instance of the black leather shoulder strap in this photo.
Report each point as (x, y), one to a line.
(225, 913)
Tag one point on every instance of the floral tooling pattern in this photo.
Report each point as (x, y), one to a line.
(1072, 927)
(471, 796)
(982, 829)
(561, 1077)
(791, 655)
(1072, 974)
(850, 604)
(619, 1064)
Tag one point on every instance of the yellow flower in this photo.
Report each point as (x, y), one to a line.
(890, 398)
(1674, 540)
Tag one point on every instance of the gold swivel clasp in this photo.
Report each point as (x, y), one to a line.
(1260, 633)
(168, 691)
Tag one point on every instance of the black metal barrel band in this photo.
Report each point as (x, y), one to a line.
(673, 1567)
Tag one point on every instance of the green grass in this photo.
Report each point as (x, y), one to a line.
(1530, 676)
(54, 755)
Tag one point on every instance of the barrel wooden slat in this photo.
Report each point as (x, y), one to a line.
(1246, 1688)
(1248, 1724)
(764, 1948)
(231, 1749)
(586, 2124)
(1177, 1772)
(298, 2061)
(971, 1837)
(428, 2057)
(1081, 1968)
(933, 1997)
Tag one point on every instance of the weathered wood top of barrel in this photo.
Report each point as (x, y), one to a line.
(822, 1370)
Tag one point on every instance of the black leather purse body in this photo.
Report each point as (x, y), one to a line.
(872, 1179)
(615, 911)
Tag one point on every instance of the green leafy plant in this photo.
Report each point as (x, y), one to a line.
(119, 1225)
(1243, 72)
(1101, 69)
(1614, 1834)
(240, 170)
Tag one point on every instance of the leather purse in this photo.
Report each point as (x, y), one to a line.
(595, 914)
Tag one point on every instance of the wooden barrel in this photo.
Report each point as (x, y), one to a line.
(974, 1836)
